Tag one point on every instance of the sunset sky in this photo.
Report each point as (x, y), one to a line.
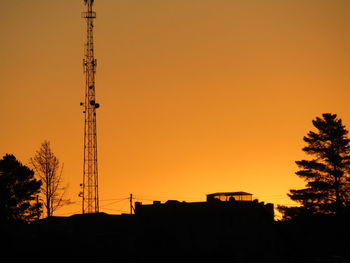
(197, 96)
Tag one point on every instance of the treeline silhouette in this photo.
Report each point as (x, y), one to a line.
(231, 230)
(136, 238)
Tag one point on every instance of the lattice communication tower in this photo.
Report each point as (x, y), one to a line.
(89, 194)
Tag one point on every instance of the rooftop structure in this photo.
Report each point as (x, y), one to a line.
(230, 196)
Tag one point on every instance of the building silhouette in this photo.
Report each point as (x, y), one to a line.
(235, 206)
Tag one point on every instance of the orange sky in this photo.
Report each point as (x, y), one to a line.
(197, 96)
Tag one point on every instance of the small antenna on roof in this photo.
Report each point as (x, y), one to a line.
(90, 1)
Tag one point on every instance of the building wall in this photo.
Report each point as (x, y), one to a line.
(251, 211)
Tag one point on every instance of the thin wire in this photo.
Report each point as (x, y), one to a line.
(113, 199)
(115, 210)
(114, 202)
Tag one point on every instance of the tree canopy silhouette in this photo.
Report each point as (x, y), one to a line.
(18, 190)
(327, 174)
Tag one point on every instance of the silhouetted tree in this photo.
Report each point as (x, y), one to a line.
(47, 168)
(18, 191)
(327, 175)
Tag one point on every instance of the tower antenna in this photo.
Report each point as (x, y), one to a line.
(90, 199)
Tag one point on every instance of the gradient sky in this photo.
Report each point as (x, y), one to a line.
(197, 96)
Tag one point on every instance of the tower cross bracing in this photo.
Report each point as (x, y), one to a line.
(90, 198)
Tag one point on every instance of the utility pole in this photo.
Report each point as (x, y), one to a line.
(131, 206)
(90, 198)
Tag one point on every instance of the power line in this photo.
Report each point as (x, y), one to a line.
(113, 199)
(114, 202)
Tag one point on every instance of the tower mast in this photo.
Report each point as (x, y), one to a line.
(90, 199)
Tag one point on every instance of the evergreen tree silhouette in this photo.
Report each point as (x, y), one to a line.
(18, 191)
(327, 174)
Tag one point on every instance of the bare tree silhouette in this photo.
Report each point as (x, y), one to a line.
(48, 169)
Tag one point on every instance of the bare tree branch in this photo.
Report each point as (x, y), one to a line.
(47, 167)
